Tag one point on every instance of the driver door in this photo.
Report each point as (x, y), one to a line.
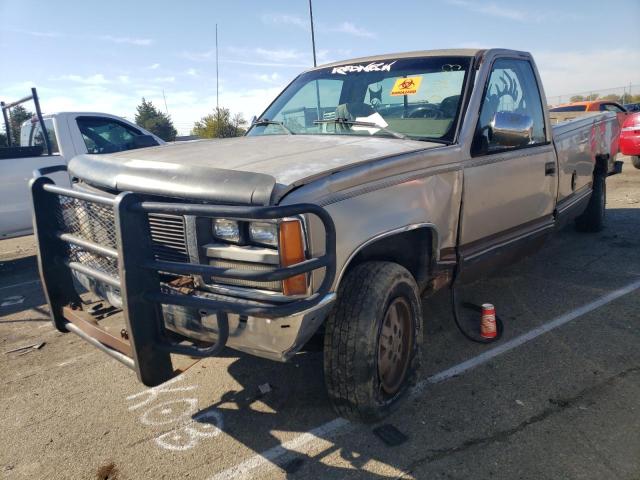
(509, 192)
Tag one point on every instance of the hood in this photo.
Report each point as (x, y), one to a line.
(246, 170)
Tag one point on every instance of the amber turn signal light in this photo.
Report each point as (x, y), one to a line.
(292, 252)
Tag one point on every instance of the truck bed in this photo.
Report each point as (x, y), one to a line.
(20, 152)
(592, 131)
(578, 143)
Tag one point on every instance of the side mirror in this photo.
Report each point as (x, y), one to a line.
(511, 129)
(143, 141)
(254, 119)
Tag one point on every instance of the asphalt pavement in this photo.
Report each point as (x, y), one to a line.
(558, 397)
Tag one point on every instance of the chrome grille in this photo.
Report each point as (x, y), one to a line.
(168, 236)
(96, 223)
(90, 221)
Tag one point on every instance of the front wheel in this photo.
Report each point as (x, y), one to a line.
(372, 338)
(636, 161)
(592, 220)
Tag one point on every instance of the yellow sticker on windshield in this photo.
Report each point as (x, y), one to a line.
(406, 86)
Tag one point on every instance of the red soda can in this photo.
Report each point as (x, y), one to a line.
(488, 327)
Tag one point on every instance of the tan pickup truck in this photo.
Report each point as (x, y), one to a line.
(365, 185)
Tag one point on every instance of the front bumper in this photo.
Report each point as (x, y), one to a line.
(273, 338)
(146, 344)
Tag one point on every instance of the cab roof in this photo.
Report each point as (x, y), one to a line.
(451, 52)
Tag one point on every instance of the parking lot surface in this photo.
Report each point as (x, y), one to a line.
(556, 397)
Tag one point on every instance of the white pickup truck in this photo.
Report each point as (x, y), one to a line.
(70, 134)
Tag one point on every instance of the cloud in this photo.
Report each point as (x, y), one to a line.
(124, 79)
(97, 79)
(143, 42)
(493, 10)
(154, 66)
(34, 33)
(169, 79)
(280, 55)
(269, 78)
(192, 72)
(346, 27)
(285, 19)
(200, 56)
(185, 106)
(573, 72)
(351, 29)
(257, 57)
(257, 63)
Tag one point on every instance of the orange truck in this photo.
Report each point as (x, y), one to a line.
(569, 111)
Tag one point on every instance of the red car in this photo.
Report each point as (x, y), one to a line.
(630, 138)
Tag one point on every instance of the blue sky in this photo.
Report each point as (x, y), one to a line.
(105, 56)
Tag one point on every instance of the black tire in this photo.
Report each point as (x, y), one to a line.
(636, 161)
(352, 347)
(592, 220)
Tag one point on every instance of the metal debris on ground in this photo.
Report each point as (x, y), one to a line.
(26, 348)
(390, 435)
(15, 300)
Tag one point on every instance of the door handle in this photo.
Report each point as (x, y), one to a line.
(550, 168)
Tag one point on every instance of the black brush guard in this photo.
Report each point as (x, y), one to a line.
(145, 346)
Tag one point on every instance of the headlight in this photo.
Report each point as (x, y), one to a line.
(264, 233)
(227, 230)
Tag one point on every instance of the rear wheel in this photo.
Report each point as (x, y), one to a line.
(636, 161)
(592, 220)
(371, 354)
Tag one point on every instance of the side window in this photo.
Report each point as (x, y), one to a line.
(31, 135)
(26, 131)
(512, 88)
(106, 135)
(38, 139)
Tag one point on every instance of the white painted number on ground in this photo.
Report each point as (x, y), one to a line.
(190, 427)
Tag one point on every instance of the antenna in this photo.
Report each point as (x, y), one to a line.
(217, 89)
(313, 37)
(166, 109)
(315, 64)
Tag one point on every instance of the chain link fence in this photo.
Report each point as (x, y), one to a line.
(623, 95)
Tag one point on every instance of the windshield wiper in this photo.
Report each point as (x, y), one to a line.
(265, 121)
(357, 123)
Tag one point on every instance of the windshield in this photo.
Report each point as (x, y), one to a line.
(415, 97)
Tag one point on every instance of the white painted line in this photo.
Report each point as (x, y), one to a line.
(526, 337)
(20, 284)
(280, 452)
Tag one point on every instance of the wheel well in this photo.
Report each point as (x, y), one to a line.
(412, 249)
